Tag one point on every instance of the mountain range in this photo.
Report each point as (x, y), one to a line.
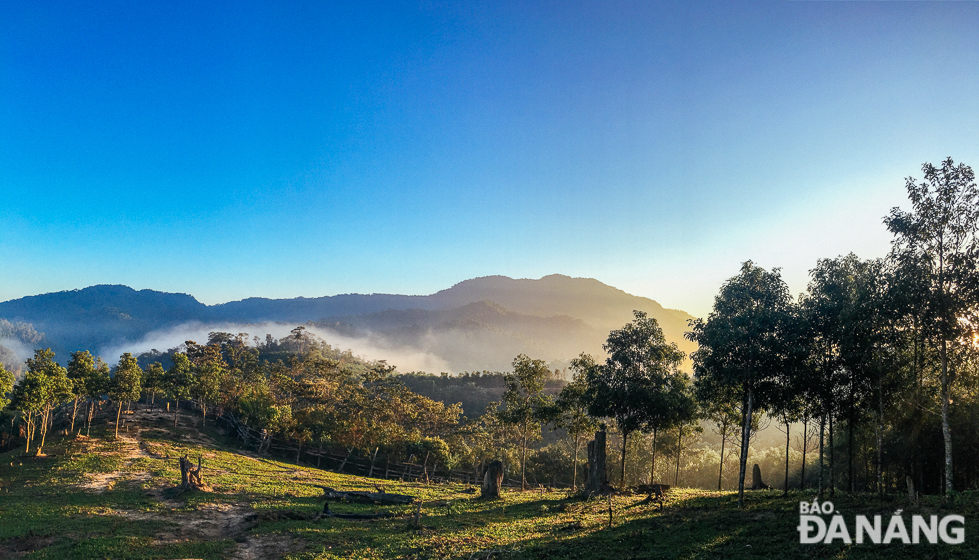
(477, 324)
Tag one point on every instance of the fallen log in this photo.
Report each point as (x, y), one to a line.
(355, 516)
(367, 497)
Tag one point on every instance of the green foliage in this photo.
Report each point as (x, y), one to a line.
(937, 246)
(640, 385)
(742, 346)
(526, 406)
(6, 386)
(81, 368)
(435, 449)
(154, 379)
(126, 380)
(43, 387)
(179, 379)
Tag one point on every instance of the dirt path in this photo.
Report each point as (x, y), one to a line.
(209, 521)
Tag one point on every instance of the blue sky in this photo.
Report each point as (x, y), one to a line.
(282, 149)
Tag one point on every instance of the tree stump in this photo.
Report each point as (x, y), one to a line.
(191, 478)
(756, 482)
(492, 480)
(912, 496)
(597, 482)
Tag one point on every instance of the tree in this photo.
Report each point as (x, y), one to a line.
(125, 384)
(787, 400)
(741, 345)
(207, 385)
(178, 382)
(154, 380)
(721, 412)
(572, 406)
(637, 385)
(525, 403)
(80, 369)
(28, 399)
(43, 387)
(96, 385)
(938, 239)
(6, 386)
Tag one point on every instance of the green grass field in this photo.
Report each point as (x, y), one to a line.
(95, 498)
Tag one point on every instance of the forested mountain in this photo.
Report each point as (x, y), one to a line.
(477, 324)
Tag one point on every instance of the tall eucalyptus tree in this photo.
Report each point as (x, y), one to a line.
(741, 345)
(938, 240)
(638, 384)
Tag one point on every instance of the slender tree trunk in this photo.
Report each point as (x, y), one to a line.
(574, 470)
(880, 432)
(91, 413)
(523, 461)
(370, 473)
(652, 470)
(849, 445)
(679, 452)
(28, 424)
(625, 435)
(720, 470)
(118, 414)
(805, 442)
(44, 427)
(74, 409)
(785, 487)
(832, 460)
(745, 438)
(946, 429)
(822, 433)
(176, 408)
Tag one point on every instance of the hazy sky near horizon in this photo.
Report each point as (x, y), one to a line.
(305, 149)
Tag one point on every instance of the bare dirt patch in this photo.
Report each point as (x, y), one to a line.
(260, 547)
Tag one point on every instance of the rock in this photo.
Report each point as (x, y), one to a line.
(493, 480)
(597, 482)
(756, 482)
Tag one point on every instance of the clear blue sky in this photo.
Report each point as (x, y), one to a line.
(281, 149)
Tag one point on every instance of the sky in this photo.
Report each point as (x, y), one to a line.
(284, 149)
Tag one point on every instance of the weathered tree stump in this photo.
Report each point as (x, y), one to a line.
(492, 480)
(597, 482)
(756, 482)
(655, 493)
(912, 495)
(191, 478)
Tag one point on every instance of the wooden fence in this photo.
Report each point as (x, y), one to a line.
(348, 460)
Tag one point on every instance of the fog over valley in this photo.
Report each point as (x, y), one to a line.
(479, 324)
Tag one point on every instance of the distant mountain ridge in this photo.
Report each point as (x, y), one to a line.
(475, 324)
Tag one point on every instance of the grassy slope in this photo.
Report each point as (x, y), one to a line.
(106, 498)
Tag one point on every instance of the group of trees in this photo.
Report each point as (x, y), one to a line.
(877, 345)
(638, 388)
(306, 398)
(46, 386)
(884, 349)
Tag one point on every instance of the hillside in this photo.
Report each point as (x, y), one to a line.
(478, 324)
(99, 497)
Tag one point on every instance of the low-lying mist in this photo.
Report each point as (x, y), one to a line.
(13, 353)
(433, 350)
(370, 347)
